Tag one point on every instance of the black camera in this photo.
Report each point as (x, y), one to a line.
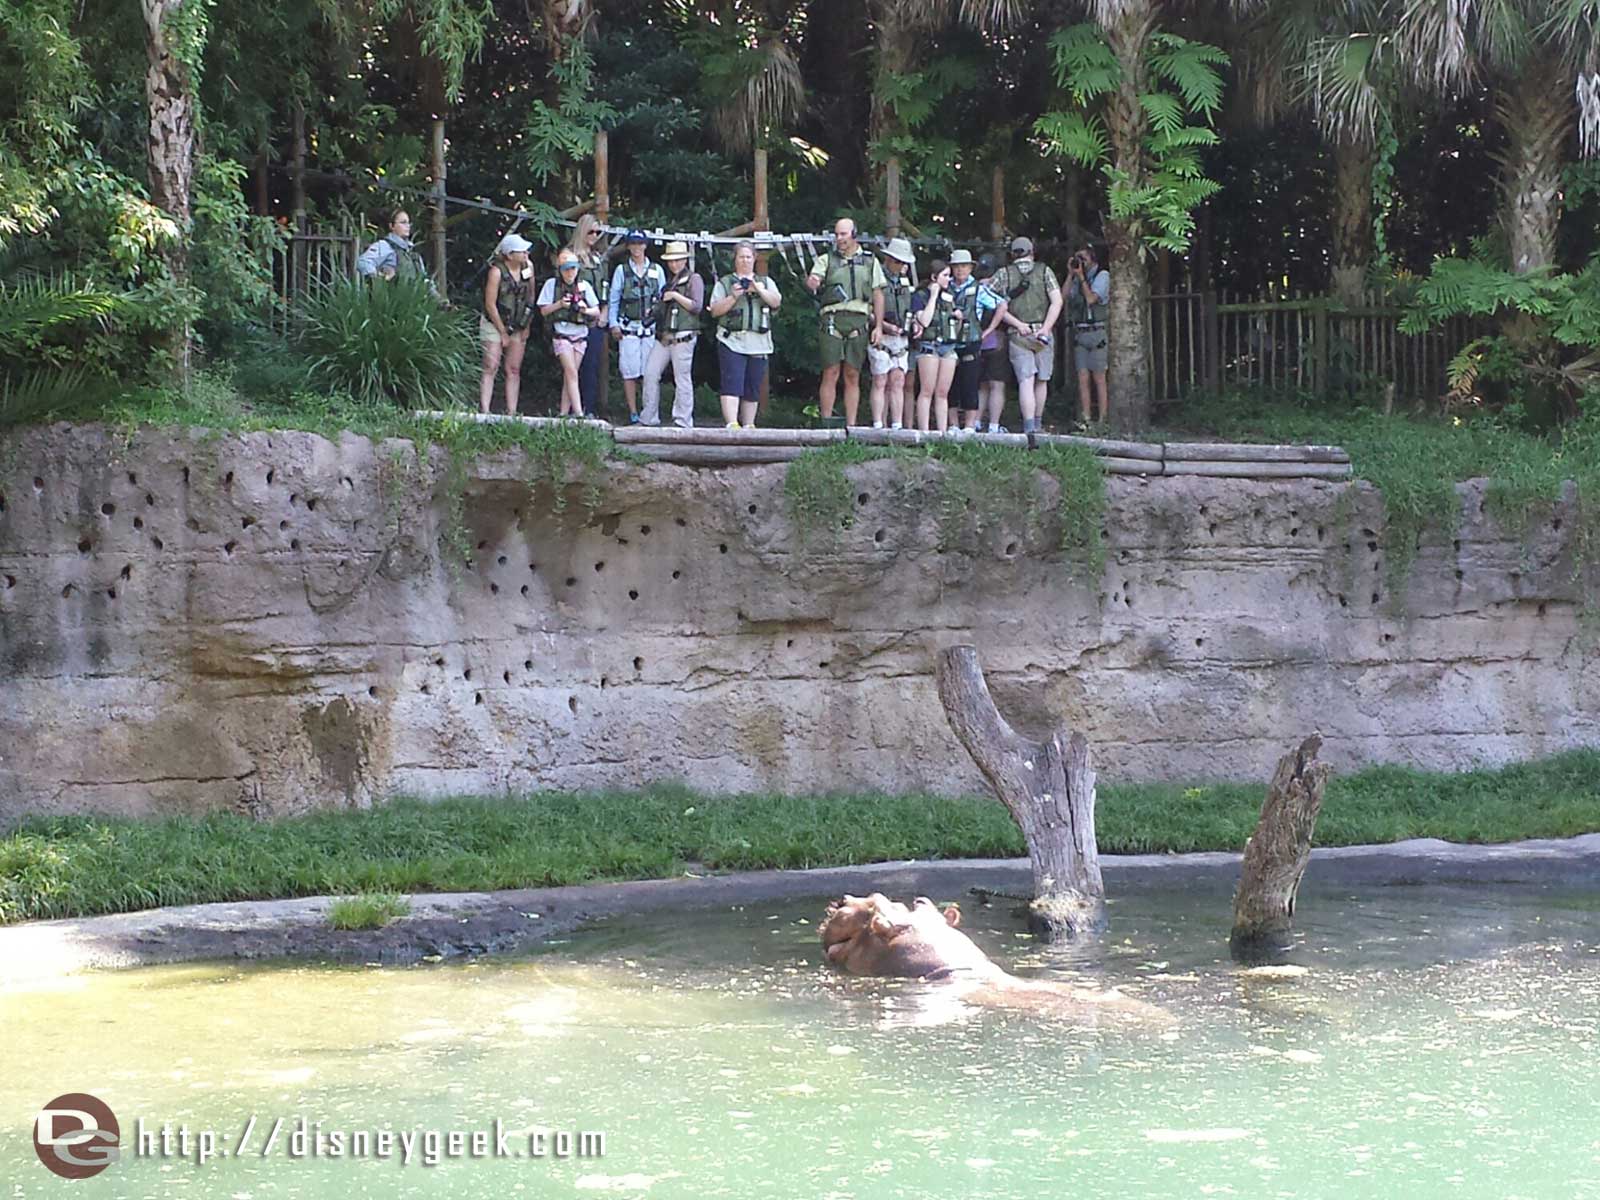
(746, 283)
(575, 305)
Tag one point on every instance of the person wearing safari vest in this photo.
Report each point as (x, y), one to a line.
(742, 304)
(890, 358)
(975, 305)
(848, 283)
(936, 323)
(1088, 297)
(1033, 306)
(677, 331)
(586, 244)
(571, 307)
(394, 255)
(507, 316)
(994, 367)
(636, 288)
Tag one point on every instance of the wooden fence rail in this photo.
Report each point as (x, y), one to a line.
(1209, 340)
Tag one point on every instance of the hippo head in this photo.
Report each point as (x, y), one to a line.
(874, 935)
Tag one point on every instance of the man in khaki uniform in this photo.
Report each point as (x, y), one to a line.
(848, 283)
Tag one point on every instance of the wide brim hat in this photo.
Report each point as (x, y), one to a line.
(961, 256)
(675, 250)
(900, 250)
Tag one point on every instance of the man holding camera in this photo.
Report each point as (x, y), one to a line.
(1033, 305)
(1088, 292)
(848, 283)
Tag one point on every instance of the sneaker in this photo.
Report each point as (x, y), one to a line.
(951, 431)
(998, 429)
(877, 424)
(981, 427)
(896, 425)
(633, 418)
(733, 425)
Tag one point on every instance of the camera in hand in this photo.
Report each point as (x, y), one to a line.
(746, 283)
(574, 306)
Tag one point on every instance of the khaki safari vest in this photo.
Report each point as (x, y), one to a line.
(749, 315)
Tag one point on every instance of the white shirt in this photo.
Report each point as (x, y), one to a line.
(547, 295)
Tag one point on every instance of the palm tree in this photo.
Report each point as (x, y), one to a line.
(1540, 57)
(1335, 58)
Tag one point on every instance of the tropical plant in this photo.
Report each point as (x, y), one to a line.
(1142, 125)
(1547, 346)
(389, 341)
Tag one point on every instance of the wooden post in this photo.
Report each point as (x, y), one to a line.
(762, 222)
(297, 199)
(891, 196)
(1211, 339)
(1276, 855)
(997, 201)
(602, 211)
(1319, 331)
(1048, 787)
(440, 276)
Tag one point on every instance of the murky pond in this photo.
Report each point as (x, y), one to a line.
(1440, 1043)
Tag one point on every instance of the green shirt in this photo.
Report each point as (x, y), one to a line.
(869, 277)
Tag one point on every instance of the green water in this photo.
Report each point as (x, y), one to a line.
(1442, 1043)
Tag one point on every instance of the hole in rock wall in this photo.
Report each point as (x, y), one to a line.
(108, 509)
(501, 560)
(467, 674)
(571, 580)
(1011, 549)
(1199, 641)
(193, 525)
(85, 545)
(477, 698)
(348, 482)
(483, 545)
(186, 477)
(149, 500)
(494, 589)
(1321, 533)
(622, 541)
(373, 692)
(228, 547)
(11, 582)
(632, 595)
(862, 499)
(1541, 610)
(138, 522)
(246, 522)
(644, 531)
(600, 566)
(1374, 597)
(790, 644)
(506, 675)
(127, 571)
(111, 593)
(752, 510)
(294, 498)
(1460, 574)
(1343, 603)
(227, 480)
(311, 505)
(1556, 525)
(282, 526)
(1295, 532)
(533, 566)
(133, 480)
(527, 664)
(605, 682)
(270, 474)
(67, 591)
(158, 543)
(638, 664)
(677, 574)
(294, 543)
(524, 589)
(879, 536)
(572, 703)
(682, 524)
(425, 690)
(722, 548)
(38, 484)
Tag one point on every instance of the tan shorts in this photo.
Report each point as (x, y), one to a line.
(487, 333)
(844, 339)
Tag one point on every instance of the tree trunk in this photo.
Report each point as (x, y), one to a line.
(1276, 855)
(1352, 217)
(171, 151)
(1048, 787)
(1128, 30)
(1537, 110)
(896, 28)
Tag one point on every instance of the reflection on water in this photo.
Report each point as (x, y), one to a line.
(1430, 1042)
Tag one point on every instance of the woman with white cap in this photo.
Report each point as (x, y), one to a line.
(506, 318)
(889, 358)
(572, 302)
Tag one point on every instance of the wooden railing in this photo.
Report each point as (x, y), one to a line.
(1210, 341)
(315, 258)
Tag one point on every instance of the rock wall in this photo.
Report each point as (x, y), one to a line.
(268, 623)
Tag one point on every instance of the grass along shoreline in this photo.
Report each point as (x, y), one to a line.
(82, 866)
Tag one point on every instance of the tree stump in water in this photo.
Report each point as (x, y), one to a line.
(1276, 855)
(1047, 786)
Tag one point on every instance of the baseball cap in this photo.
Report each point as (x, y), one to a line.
(635, 236)
(1021, 247)
(512, 243)
(986, 266)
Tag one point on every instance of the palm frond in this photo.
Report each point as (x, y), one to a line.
(49, 393)
(772, 97)
(1342, 79)
(33, 304)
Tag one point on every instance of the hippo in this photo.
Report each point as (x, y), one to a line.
(874, 935)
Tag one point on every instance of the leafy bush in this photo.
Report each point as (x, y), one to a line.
(387, 341)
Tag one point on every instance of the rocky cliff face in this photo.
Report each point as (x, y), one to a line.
(269, 623)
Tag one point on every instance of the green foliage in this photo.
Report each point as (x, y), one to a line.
(1548, 341)
(371, 910)
(1157, 201)
(555, 138)
(83, 865)
(387, 341)
(820, 496)
(232, 249)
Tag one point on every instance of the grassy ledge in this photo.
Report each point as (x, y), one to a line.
(372, 911)
(79, 866)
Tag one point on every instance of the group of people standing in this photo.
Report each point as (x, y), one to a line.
(939, 354)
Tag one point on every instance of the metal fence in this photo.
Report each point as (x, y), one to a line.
(1211, 340)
